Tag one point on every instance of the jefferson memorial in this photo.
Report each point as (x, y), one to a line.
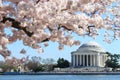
(90, 54)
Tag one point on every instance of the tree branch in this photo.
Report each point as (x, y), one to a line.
(41, 1)
(16, 24)
(89, 31)
(37, 1)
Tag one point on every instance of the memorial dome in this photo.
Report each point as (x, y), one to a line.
(89, 54)
(91, 47)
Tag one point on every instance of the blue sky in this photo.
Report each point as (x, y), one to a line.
(52, 50)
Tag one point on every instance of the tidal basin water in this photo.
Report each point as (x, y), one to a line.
(59, 77)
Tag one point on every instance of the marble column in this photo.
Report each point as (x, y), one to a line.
(98, 59)
(104, 60)
(74, 60)
(77, 60)
(80, 60)
(87, 59)
(91, 63)
(83, 60)
(94, 60)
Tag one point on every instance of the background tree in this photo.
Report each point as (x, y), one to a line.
(113, 60)
(34, 64)
(6, 67)
(62, 63)
(13, 64)
(40, 21)
(48, 64)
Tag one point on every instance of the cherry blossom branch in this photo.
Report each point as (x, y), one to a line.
(37, 1)
(16, 24)
(41, 1)
(89, 31)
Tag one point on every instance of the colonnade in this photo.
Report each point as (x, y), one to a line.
(88, 60)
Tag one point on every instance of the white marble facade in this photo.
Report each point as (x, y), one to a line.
(90, 54)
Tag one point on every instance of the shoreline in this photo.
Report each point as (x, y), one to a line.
(61, 73)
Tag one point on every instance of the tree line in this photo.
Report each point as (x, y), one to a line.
(36, 64)
(113, 61)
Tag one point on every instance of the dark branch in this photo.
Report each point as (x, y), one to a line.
(45, 40)
(27, 32)
(16, 24)
(37, 1)
(63, 26)
(89, 31)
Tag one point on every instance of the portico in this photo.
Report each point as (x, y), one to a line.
(89, 55)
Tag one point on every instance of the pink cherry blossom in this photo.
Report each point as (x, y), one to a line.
(36, 22)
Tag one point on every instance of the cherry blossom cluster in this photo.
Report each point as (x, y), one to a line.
(40, 21)
(16, 62)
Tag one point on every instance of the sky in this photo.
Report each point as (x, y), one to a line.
(52, 50)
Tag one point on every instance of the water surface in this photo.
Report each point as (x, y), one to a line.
(59, 77)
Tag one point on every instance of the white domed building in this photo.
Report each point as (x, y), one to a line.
(90, 54)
